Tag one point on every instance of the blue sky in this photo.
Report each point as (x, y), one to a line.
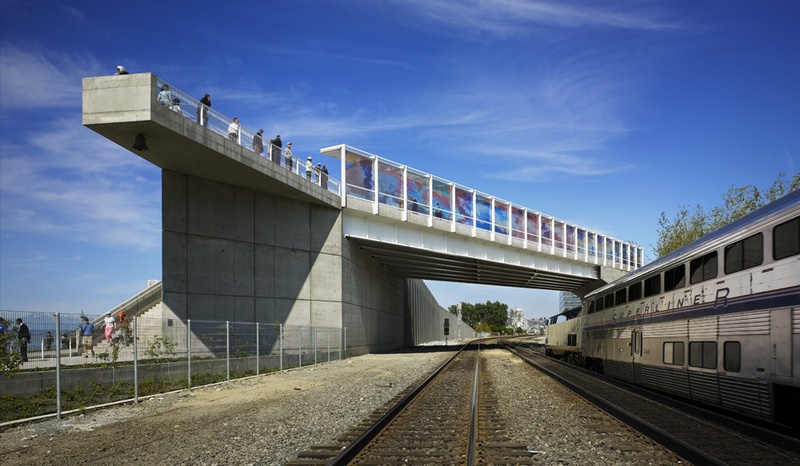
(603, 114)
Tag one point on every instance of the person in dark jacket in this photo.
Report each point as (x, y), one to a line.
(202, 109)
(258, 142)
(275, 149)
(24, 335)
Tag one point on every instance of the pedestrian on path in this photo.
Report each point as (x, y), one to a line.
(87, 332)
(24, 335)
(111, 325)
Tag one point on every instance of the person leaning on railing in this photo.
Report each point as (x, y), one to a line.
(258, 142)
(233, 130)
(202, 110)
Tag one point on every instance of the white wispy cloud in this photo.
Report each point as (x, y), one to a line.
(509, 17)
(34, 77)
(63, 180)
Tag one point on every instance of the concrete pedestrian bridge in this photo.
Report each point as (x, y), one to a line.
(249, 236)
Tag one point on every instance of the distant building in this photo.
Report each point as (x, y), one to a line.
(516, 319)
(567, 300)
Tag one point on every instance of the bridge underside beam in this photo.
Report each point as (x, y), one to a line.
(411, 262)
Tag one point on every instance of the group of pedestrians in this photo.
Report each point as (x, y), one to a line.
(275, 150)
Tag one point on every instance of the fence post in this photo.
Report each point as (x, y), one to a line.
(135, 360)
(300, 344)
(280, 348)
(258, 351)
(58, 365)
(315, 344)
(344, 345)
(189, 353)
(228, 348)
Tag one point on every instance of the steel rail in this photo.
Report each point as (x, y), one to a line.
(351, 451)
(676, 445)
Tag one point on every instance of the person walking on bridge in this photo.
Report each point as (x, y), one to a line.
(202, 110)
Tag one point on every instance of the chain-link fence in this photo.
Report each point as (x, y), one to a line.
(142, 357)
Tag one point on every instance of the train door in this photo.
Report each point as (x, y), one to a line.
(636, 354)
(780, 342)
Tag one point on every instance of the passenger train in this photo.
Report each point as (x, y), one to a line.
(717, 320)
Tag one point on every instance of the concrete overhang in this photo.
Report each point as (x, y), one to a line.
(122, 107)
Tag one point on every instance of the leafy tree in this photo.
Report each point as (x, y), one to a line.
(688, 226)
(10, 359)
(490, 314)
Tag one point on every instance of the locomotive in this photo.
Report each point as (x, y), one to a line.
(717, 320)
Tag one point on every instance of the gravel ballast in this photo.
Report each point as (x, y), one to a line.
(267, 420)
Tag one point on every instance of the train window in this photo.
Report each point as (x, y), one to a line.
(675, 278)
(609, 298)
(591, 307)
(703, 268)
(620, 296)
(599, 304)
(732, 356)
(572, 339)
(635, 291)
(786, 239)
(652, 285)
(703, 354)
(673, 353)
(744, 254)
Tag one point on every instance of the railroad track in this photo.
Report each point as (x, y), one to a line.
(688, 435)
(449, 419)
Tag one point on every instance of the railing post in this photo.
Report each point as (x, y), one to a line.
(300, 344)
(430, 201)
(58, 365)
(135, 360)
(375, 179)
(404, 215)
(315, 344)
(552, 235)
(258, 351)
(228, 349)
(189, 353)
(510, 226)
(539, 233)
(343, 187)
(280, 347)
(491, 216)
(452, 207)
(329, 343)
(525, 228)
(474, 213)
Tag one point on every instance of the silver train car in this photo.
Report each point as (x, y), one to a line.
(717, 320)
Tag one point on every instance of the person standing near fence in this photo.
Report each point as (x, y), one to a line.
(48, 340)
(124, 327)
(258, 142)
(233, 130)
(111, 325)
(202, 110)
(87, 331)
(324, 179)
(24, 335)
(165, 96)
(288, 154)
(275, 148)
(309, 168)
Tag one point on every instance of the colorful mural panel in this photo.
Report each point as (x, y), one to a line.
(390, 184)
(464, 207)
(483, 214)
(358, 175)
(501, 217)
(442, 200)
(533, 227)
(418, 192)
(517, 222)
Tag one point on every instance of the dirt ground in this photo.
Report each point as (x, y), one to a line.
(263, 420)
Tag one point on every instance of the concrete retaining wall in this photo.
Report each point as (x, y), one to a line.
(234, 253)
